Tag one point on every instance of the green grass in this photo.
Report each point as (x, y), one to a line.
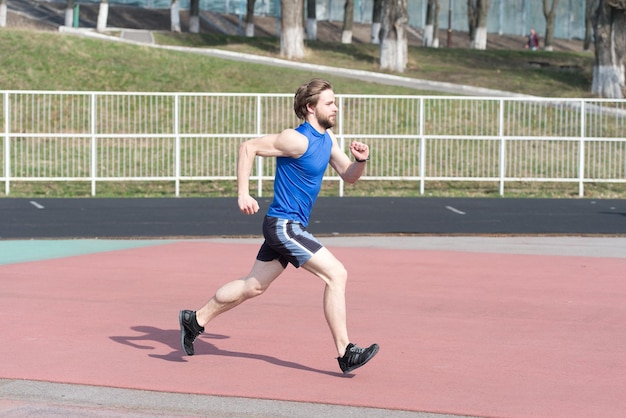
(564, 74)
(329, 188)
(53, 61)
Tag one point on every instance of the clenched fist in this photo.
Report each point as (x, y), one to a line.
(248, 204)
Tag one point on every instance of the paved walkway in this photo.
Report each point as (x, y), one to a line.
(140, 36)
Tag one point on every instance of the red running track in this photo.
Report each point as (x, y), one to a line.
(460, 333)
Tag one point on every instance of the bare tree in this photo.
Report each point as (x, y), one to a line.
(477, 11)
(610, 46)
(292, 32)
(550, 14)
(250, 18)
(175, 16)
(348, 20)
(311, 20)
(3, 13)
(377, 15)
(394, 47)
(431, 30)
(103, 16)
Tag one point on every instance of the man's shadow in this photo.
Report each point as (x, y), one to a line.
(171, 338)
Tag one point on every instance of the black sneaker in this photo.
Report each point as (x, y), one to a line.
(189, 330)
(356, 357)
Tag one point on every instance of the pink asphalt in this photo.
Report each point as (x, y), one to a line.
(460, 333)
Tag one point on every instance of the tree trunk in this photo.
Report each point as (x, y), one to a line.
(175, 16)
(194, 24)
(311, 20)
(292, 33)
(394, 43)
(431, 30)
(103, 16)
(377, 14)
(550, 15)
(348, 19)
(3, 13)
(478, 11)
(250, 18)
(69, 13)
(588, 24)
(194, 16)
(610, 41)
(480, 38)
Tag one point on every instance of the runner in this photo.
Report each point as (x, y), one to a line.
(302, 156)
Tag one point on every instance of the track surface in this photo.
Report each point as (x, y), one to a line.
(150, 218)
(468, 325)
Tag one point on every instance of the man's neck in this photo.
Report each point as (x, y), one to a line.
(315, 124)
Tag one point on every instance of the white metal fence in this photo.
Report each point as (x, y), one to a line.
(107, 136)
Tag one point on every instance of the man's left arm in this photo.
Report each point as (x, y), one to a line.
(350, 171)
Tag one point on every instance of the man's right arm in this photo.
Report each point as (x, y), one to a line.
(288, 143)
(247, 153)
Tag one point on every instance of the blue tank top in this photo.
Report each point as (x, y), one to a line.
(298, 180)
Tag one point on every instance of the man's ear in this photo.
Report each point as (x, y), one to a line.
(310, 109)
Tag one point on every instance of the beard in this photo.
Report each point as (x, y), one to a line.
(325, 122)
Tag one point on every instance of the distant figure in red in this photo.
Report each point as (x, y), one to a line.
(533, 40)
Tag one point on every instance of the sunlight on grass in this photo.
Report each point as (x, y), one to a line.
(54, 61)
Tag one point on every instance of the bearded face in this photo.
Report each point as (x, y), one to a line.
(326, 121)
(326, 110)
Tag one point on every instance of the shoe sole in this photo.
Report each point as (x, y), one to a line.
(182, 334)
(348, 370)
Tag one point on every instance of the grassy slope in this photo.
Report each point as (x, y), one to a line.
(52, 61)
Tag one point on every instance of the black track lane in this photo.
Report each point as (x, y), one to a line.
(210, 217)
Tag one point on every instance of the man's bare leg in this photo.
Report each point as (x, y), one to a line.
(226, 298)
(238, 291)
(326, 266)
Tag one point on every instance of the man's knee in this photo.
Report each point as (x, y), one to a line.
(338, 275)
(342, 274)
(254, 288)
(239, 289)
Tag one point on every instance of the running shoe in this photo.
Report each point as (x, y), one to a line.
(189, 330)
(356, 357)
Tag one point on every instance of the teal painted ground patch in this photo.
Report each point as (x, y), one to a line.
(20, 251)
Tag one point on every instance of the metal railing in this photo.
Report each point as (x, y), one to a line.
(110, 136)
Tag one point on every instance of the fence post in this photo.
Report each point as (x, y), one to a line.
(93, 166)
(422, 147)
(259, 160)
(177, 144)
(581, 151)
(7, 145)
(343, 141)
(502, 168)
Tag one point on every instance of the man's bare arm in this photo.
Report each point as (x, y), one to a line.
(350, 171)
(288, 143)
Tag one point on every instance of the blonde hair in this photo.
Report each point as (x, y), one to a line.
(308, 94)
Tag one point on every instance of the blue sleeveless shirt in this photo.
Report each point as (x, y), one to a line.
(298, 180)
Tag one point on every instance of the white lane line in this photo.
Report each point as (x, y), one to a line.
(450, 208)
(35, 204)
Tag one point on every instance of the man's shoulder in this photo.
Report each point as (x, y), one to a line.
(293, 133)
(292, 143)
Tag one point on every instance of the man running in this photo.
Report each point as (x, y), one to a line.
(302, 156)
